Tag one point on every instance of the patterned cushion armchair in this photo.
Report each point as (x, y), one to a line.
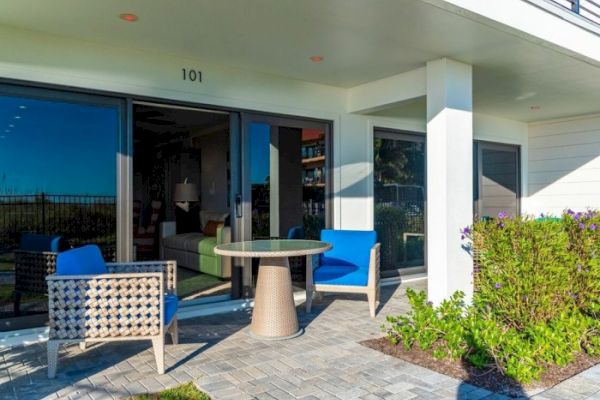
(90, 301)
(351, 266)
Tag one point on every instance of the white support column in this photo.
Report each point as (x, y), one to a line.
(449, 177)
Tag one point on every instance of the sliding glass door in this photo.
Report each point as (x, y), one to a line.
(286, 180)
(58, 189)
(399, 194)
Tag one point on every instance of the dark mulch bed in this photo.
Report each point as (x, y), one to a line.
(490, 378)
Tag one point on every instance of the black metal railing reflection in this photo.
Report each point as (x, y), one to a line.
(79, 218)
(589, 9)
(400, 227)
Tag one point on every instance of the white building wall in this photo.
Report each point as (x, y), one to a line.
(564, 165)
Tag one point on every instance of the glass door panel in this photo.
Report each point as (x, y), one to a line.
(288, 181)
(58, 189)
(399, 180)
(286, 171)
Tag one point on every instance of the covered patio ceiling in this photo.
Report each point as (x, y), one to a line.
(360, 41)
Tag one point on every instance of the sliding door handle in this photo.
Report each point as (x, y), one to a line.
(238, 206)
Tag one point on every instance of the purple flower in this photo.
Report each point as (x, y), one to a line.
(581, 225)
(501, 225)
(590, 214)
(542, 215)
(502, 215)
(593, 227)
(570, 212)
(430, 303)
(497, 285)
(465, 232)
(578, 216)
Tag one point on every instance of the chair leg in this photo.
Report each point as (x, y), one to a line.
(372, 297)
(309, 283)
(158, 345)
(174, 331)
(309, 298)
(52, 358)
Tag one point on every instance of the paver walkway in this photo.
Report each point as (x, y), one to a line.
(220, 356)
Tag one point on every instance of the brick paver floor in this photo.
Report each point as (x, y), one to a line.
(219, 355)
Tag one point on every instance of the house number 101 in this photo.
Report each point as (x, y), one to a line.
(191, 75)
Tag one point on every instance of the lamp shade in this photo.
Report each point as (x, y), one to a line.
(186, 192)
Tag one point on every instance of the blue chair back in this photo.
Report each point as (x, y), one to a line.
(86, 260)
(39, 242)
(296, 232)
(350, 248)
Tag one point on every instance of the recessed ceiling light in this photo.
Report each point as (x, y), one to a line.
(535, 108)
(22, 107)
(17, 117)
(128, 17)
(11, 125)
(316, 58)
(7, 130)
(2, 137)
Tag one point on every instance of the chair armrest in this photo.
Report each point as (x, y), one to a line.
(167, 268)
(105, 306)
(374, 265)
(31, 269)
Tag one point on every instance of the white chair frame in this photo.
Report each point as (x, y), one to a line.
(371, 289)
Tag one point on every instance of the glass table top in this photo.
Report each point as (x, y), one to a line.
(272, 248)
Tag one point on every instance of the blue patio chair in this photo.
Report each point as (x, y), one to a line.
(351, 266)
(93, 301)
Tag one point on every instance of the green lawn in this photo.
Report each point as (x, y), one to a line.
(183, 392)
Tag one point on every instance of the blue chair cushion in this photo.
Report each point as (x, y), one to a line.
(86, 260)
(341, 275)
(170, 307)
(350, 248)
(38, 242)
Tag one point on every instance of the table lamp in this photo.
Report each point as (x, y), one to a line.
(185, 193)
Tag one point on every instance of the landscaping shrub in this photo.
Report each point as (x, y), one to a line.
(536, 300)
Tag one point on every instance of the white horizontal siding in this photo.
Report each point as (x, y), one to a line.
(564, 165)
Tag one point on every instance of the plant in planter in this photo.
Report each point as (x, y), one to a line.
(536, 300)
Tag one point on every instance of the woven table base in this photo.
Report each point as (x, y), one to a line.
(274, 315)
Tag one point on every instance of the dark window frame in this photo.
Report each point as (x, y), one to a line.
(478, 147)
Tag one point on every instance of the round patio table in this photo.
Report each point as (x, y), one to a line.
(274, 316)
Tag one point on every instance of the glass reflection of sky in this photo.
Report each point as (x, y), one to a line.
(259, 152)
(57, 147)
